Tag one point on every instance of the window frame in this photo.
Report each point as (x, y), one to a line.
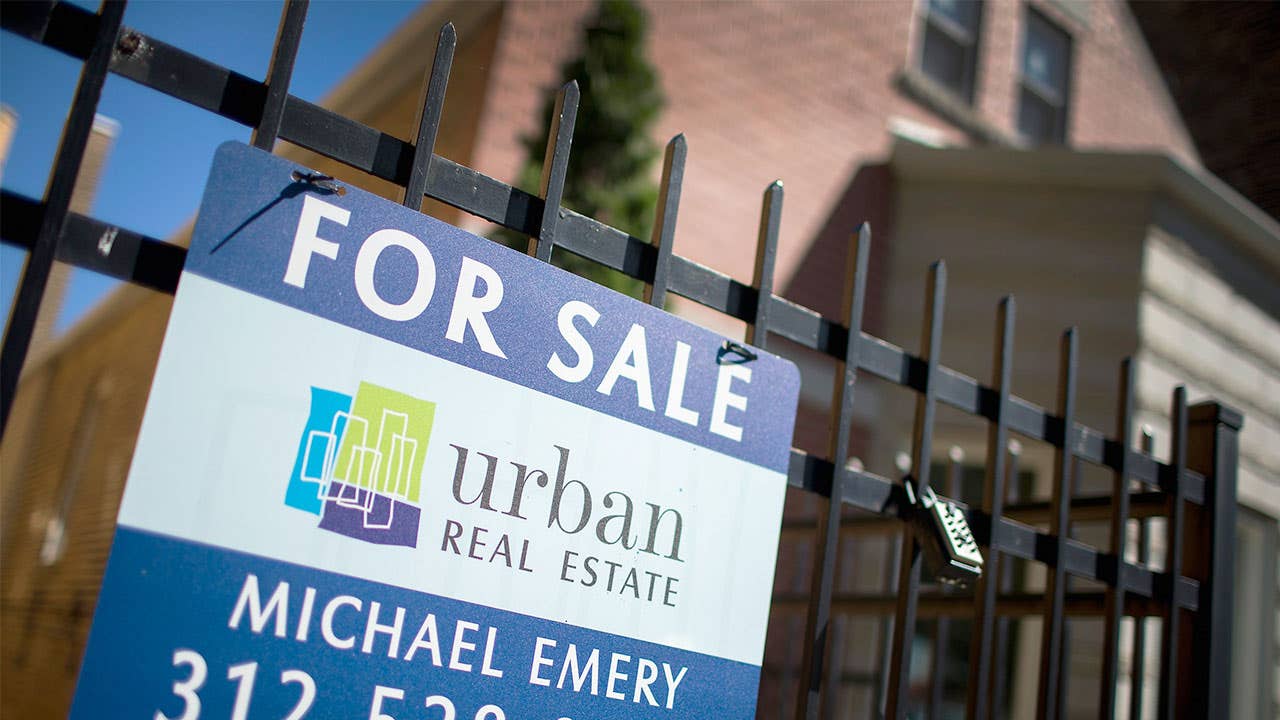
(1061, 105)
(970, 42)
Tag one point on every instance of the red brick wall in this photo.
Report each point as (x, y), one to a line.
(761, 92)
(803, 92)
(1118, 100)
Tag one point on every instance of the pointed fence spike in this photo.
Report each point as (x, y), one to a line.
(430, 110)
(664, 223)
(555, 169)
(818, 619)
(904, 624)
(766, 255)
(285, 52)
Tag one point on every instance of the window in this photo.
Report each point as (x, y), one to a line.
(1045, 74)
(949, 48)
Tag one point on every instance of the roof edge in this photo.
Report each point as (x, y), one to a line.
(1208, 197)
(384, 73)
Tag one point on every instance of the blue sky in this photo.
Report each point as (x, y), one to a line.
(156, 171)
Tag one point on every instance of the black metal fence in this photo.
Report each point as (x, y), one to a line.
(1195, 490)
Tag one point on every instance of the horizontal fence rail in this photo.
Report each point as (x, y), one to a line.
(1197, 485)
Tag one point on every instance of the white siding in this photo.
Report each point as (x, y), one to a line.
(1194, 329)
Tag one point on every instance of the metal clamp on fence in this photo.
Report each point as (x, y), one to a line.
(948, 544)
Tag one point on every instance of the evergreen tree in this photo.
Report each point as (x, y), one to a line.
(610, 172)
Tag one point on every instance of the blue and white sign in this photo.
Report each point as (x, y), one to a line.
(392, 470)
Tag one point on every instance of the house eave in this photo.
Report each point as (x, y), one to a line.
(1207, 197)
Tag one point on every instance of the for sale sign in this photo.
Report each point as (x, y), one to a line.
(392, 470)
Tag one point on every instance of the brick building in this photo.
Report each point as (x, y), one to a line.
(1033, 144)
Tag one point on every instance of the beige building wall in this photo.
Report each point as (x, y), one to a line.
(1070, 255)
(1195, 326)
(1147, 260)
(63, 463)
(1199, 329)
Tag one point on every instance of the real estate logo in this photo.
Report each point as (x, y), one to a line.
(359, 463)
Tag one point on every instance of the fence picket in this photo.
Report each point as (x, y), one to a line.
(904, 621)
(993, 494)
(555, 169)
(664, 222)
(1114, 610)
(827, 542)
(279, 73)
(1175, 529)
(429, 112)
(766, 257)
(1054, 627)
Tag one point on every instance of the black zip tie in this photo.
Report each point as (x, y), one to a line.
(319, 180)
(744, 353)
